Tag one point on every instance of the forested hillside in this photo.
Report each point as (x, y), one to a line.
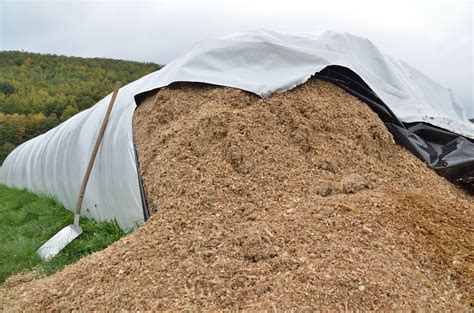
(39, 91)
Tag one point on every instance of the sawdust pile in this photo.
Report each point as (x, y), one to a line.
(298, 201)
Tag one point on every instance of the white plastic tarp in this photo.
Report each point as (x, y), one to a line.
(258, 61)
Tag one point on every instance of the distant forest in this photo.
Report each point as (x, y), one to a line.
(39, 91)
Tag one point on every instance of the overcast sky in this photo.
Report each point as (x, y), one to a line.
(434, 36)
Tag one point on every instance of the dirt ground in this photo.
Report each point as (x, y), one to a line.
(299, 201)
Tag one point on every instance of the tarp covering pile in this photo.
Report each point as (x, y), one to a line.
(301, 201)
(261, 62)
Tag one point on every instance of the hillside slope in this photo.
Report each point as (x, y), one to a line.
(38, 91)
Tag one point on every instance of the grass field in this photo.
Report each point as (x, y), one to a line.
(28, 220)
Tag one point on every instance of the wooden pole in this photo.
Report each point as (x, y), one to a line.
(93, 155)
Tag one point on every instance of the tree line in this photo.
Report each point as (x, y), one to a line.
(39, 91)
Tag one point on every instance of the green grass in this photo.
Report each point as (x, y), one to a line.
(28, 220)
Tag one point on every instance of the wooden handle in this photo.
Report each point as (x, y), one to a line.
(94, 153)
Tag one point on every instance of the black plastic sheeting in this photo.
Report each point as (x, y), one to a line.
(146, 211)
(450, 154)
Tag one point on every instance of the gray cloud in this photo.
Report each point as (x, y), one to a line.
(435, 37)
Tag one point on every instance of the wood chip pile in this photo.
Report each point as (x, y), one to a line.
(300, 201)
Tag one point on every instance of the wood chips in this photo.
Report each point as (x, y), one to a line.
(300, 201)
